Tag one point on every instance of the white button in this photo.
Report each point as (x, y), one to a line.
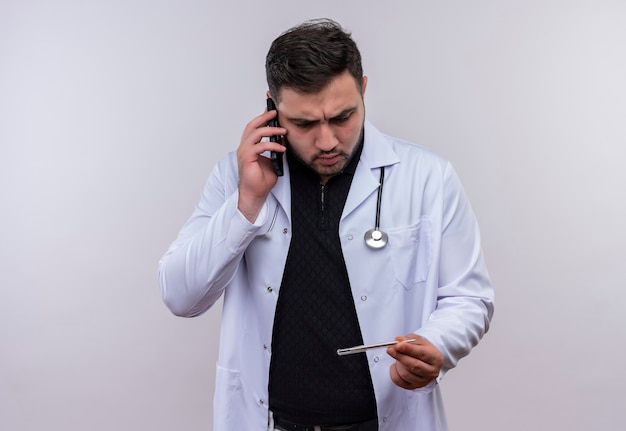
(385, 419)
(363, 298)
(376, 359)
(261, 401)
(285, 231)
(265, 346)
(269, 289)
(350, 237)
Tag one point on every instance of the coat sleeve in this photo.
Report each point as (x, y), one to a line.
(465, 295)
(203, 259)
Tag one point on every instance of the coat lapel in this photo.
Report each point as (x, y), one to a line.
(377, 152)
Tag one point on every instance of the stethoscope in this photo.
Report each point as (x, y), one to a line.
(374, 238)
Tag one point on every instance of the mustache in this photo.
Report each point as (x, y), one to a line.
(329, 153)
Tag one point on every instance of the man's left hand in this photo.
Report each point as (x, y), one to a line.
(417, 363)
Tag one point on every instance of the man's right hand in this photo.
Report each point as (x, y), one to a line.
(256, 174)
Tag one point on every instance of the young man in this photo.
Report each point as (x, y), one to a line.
(303, 273)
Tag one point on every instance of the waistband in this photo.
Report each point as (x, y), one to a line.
(283, 424)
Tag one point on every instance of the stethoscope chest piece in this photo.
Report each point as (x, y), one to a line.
(376, 238)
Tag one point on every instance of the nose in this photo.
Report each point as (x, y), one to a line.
(326, 139)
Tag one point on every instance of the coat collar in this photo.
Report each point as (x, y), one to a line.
(377, 152)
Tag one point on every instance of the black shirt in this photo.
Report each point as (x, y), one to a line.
(315, 315)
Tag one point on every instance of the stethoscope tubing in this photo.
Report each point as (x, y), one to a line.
(376, 238)
(380, 197)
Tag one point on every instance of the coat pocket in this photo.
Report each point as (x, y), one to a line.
(411, 252)
(227, 386)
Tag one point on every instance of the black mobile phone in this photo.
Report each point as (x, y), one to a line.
(275, 157)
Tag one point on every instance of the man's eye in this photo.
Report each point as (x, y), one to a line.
(340, 120)
(304, 125)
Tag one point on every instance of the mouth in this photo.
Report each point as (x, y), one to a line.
(329, 159)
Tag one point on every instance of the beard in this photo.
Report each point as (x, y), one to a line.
(341, 159)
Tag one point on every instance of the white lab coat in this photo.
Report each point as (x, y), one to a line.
(430, 279)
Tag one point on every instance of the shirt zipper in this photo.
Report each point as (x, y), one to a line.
(323, 223)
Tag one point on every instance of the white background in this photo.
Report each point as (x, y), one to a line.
(112, 114)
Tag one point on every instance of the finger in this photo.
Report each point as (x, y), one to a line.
(260, 121)
(405, 380)
(396, 379)
(253, 136)
(411, 364)
(417, 366)
(421, 349)
(258, 140)
(410, 350)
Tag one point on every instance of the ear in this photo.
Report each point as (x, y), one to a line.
(269, 96)
(363, 85)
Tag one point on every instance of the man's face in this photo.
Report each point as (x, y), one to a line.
(324, 129)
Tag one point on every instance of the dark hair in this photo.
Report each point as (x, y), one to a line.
(307, 57)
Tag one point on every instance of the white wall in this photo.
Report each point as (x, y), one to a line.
(112, 114)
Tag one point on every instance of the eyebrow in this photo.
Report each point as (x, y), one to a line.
(304, 120)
